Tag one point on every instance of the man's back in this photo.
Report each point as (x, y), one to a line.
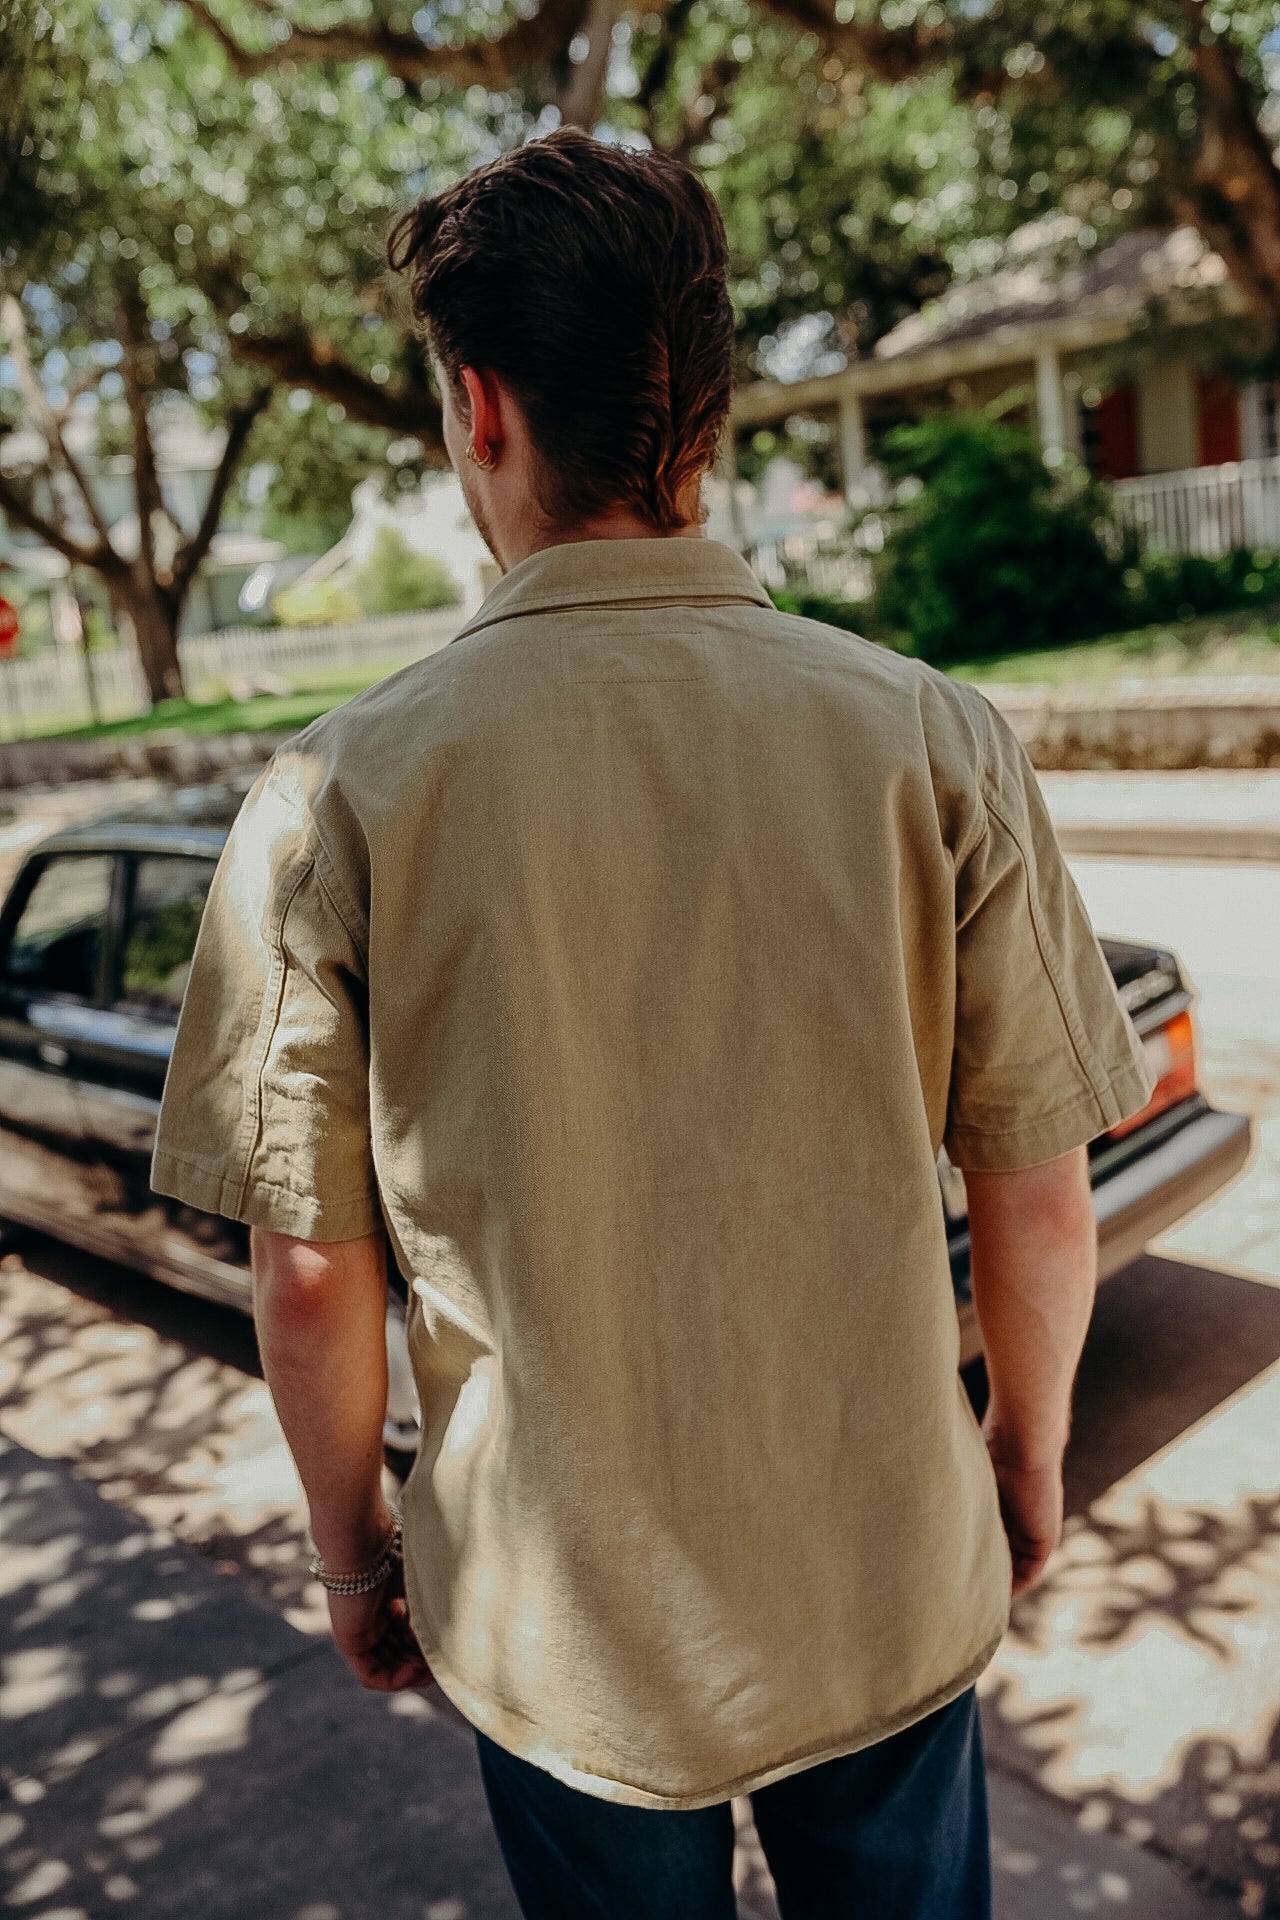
(655, 902)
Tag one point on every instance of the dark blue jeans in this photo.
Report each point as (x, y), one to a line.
(895, 1832)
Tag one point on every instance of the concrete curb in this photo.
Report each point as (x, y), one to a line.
(1226, 815)
(1170, 840)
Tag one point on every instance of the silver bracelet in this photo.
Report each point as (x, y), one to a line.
(363, 1580)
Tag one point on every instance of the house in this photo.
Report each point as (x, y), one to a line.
(1112, 356)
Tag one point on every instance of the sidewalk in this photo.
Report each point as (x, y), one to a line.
(171, 1743)
(1204, 814)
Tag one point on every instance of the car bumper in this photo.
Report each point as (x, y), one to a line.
(1154, 1191)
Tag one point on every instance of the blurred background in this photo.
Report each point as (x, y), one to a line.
(1007, 284)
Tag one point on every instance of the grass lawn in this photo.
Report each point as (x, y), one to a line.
(1214, 645)
(316, 691)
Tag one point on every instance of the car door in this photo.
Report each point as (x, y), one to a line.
(119, 1062)
(53, 940)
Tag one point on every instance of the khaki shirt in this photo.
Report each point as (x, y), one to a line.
(631, 958)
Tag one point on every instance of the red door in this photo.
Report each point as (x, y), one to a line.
(1217, 419)
(1111, 435)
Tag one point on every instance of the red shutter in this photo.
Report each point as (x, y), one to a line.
(1217, 419)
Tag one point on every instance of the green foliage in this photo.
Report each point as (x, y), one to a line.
(317, 603)
(1178, 586)
(849, 614)
(992, 553)
(397, 579)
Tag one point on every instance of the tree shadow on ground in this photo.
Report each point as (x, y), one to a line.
(157, 1398)
(1136, 1683)
(172, 1748)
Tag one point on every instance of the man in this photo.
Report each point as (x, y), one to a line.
(626, 964)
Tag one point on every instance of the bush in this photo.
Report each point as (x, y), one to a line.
(993, 553)
(849, 614)
(317, 603)
(397, 579)
(1177, 586)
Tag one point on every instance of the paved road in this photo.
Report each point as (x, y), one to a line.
(1131, 1716)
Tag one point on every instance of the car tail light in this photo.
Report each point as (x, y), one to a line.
(1171, 1049)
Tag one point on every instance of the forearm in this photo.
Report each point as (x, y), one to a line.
(1035, 1263)
(320, 1312)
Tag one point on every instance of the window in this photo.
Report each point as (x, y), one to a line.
(168, 899)
(57, 942)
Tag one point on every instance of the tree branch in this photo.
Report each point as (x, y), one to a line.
(1232, 191)
(192, 552)
(583, 89)
(43, 415)
(488, 63)
(102, 559)
(658, 71)
(705, 105)
(306, 360)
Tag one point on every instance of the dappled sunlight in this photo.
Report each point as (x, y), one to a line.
(185, 1440)
(1140, 1681)
(158, 1743)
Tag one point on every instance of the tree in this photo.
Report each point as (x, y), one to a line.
(170, 253)
(1121, 112)
(60, 503)
(397, 579)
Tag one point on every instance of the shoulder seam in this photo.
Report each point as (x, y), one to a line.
(268, 1021)
(335, 891)
(1088, 1061)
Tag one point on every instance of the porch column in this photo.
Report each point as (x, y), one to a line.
(853, 445)
(1051, 413)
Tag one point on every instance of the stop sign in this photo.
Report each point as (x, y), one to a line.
(8, 627)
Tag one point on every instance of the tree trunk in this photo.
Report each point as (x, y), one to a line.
(155, 629)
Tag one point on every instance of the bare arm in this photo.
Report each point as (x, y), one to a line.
(1035, 1267)
(320, 1312)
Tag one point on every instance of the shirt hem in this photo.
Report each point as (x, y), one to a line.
(1119, 1095)
(260, 1203)
(515, 1734)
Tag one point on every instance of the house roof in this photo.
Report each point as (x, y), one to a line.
(1046, 292)
(1045, 276)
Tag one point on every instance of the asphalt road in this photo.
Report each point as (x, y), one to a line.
(1131, 1716)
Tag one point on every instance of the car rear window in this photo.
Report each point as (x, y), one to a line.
(57, 941)
(168, 899)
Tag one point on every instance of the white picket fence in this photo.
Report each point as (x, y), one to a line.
(38, 696)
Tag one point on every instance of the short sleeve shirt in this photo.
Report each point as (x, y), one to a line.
(628, 962)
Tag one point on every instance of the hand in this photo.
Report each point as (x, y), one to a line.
(1030, 1505)
(373, 1635)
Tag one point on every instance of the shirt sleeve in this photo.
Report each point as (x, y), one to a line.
(265, 1111)
(1045, 1056)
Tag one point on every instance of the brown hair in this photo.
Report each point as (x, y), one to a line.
(592, 280)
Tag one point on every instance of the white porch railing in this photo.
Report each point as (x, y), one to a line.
(1205, 510)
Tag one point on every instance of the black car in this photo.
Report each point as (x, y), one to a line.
(96, 936)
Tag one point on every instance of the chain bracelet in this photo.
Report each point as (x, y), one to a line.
(366, 1579)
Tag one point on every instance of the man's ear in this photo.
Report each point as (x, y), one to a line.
(484, 402)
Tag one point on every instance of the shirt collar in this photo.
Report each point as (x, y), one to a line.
(675, 571)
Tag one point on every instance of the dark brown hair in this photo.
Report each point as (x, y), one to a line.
(592, 280)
